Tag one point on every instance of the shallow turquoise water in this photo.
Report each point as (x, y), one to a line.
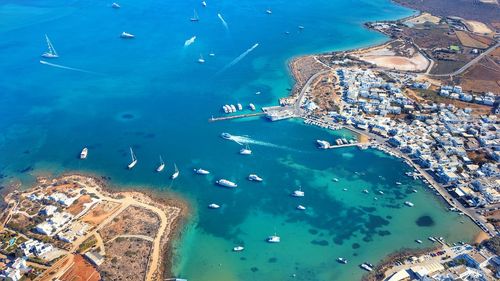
(151, 94)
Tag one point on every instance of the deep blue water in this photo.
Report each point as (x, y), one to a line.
(151, 94)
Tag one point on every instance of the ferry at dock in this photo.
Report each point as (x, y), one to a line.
(84, 153)
(226, 183)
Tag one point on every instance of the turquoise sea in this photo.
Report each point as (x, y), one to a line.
(150, 93)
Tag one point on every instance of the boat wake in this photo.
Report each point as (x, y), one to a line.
(68, 68)
(189, 41)
(238, 59)
(224, 23)
(244, 140)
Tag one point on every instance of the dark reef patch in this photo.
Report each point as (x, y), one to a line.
(425, 221)
(320, 242)
(313, 231)
(254, 269)
(355, 246)
(272, 260)
(384, 232)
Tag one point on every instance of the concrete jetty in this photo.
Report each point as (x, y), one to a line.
(213, 119)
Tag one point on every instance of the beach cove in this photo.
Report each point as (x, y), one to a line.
(151, 94)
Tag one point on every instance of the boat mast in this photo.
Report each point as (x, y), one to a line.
(50, 46)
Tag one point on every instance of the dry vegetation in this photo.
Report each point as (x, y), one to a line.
(132, 221)
(126, 259)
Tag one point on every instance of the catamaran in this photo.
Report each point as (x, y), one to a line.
(134, 159)
(201, 59)
(195, 17)
(162, 165)
(51, 52)
(83, 154)
(176, 172)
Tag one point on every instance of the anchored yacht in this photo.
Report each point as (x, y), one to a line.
(342, 260)
(213, 206)
(83, 154)
(200, 171)
(126, 35)
(51, 52)
(226, 183)
(134, 159)
(253, 177)
(273, 239)
(176, 172)
(298, 193)
(300, 207)
(238, 249)
(409, 204)
(201, 59)
(162, 165)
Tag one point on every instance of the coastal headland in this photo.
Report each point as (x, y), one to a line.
(75, 227)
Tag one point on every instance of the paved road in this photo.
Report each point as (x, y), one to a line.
(469, 64)
(300, 98)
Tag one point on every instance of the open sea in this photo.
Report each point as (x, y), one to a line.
(150, 93)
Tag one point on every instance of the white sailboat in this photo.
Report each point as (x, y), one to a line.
(195, 17)
(51, 52)
(176, 172)
(201, 59)
(134, 159)
(162, 165)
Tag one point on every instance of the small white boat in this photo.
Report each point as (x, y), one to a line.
(257, 93)
(252, 106)
(323, 144)
(418, 241)
(273, 239)
(201, 59)
(195, 17)
(115, 5)
(415, 191)
(203, 3)
(342, 260)
(300, 207)
(246, 151)
(213, 206)
(126, 35)
(380, 192)
(134, 159)
(162, 165)
(226, 183)
(300, 27)
(432, 239)
(298, 193)
(335, 179)
(212, 54)
(254, 177)
(409, 204)
(238, 249)
(268, 11)
(366, 267)
(84, 153)
(240, 107)
(345, 189)
(200, 171)
(366, 191)
(176, 172)
(398, 183)
(51, 52)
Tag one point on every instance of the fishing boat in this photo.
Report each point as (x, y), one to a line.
(273, 239)
(162, 165)
(115, 5)
(342, 260)
(51, 52)
(246, 151)
(409, 204)
(201, 59)
(200, 171)
(126, 35)
(195, 17)
(176, 172)
(298, 193)
(254, 177)
(134, 159)
(238, 249)
(226, 183)
(300, 207)
(83, 154)
(213, 206)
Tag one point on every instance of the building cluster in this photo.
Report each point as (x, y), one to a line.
(455, 92)
(457, 263)
(13, 270)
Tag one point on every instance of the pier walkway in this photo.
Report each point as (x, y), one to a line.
(213, 119)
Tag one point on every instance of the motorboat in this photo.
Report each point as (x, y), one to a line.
(203, 3)
(226, 136)
(366, 267)
(409, 204)
(226, 183)
(213, 206)
(300, 207)
(298, 193)
(418, 241)
(238, 249)
(84, 153)
(268, 11)
(253, 177)
(115, 5)
(273, 239)
(342, 260)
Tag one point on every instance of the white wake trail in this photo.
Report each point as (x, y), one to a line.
(238, 59)
(68, 68)
(242, 140)
(224, 23)
(189, 41)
